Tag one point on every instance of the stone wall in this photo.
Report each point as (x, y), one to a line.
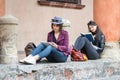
(104, 69)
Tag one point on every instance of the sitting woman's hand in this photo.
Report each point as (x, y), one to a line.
(53, 44)
(94, 46)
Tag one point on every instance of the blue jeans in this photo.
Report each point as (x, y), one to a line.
(82, 43)
(51, 53)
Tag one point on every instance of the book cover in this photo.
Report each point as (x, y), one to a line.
(89, 36)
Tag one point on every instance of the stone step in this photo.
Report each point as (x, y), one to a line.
(101, 69)
(111, 78)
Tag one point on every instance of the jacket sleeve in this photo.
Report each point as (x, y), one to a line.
(48, 37)
(102, 44)
(65, 44)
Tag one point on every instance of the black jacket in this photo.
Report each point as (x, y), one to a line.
(100, 44)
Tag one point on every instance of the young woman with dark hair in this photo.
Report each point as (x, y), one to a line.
(93, 49)
(55, 49)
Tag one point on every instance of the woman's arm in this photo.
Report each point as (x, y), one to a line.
(102, 44)
(65, 44)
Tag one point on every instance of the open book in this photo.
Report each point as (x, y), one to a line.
(89, 36)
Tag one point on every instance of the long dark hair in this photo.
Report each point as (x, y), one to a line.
(98, 31)
(60, 26)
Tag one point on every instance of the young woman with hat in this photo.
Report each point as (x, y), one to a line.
(55, 49)
(93, 49)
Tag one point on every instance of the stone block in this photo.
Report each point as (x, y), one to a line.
(101, 69)
(8, 39)
(112, 50)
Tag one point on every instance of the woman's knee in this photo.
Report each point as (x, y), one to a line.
(50, 47)
(84, 38)
(41, 44)
(44, 44)
(81, 38)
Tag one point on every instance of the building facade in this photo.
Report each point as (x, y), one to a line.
(34, 19)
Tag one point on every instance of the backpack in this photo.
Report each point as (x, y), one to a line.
(78, 56)
(29, 48)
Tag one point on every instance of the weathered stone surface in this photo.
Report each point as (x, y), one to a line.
(8, 19)
(8, 39)
(102, 69)
(112, 51)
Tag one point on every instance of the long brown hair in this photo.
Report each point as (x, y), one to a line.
(98, 31)
(60, 26)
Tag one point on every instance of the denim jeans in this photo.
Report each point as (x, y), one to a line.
(82, 43)
(52, 54)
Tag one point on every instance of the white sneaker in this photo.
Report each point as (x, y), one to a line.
(23, 60)
(31, 60)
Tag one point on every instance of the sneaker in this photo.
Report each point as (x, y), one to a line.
(23, 60)
(31, 60)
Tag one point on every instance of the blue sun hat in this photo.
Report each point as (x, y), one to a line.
(57, 20)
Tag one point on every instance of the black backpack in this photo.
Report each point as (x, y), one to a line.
(29, 48)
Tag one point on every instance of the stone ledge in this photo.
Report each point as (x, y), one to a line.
(100, 69)
(112, 50)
